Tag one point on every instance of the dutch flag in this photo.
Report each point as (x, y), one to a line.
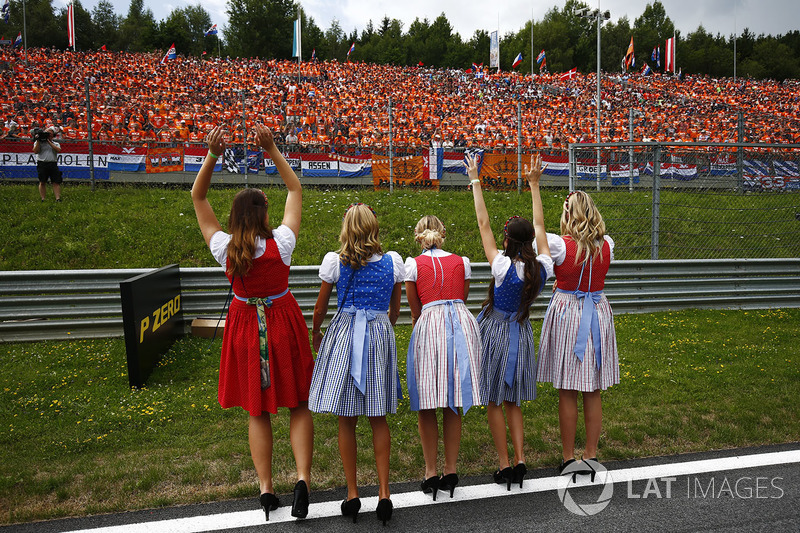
(169, 55)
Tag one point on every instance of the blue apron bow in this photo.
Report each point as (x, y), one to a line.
(457, 350)
(589, 320)
(359, 355)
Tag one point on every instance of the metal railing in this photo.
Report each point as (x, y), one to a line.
(694, 200)
(69, 304)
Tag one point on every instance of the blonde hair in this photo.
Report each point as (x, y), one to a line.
(581, 220)
(359, 236)
(429, 232)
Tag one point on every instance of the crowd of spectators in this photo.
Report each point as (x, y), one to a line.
(344, 107)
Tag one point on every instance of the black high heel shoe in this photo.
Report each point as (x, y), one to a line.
(592, 466)
(300, 502)
(519, 473)
(351, 508)
(269, 502)
(431, 485)
(563, 466)
(506, 475)
(449, 482)
(384, 510)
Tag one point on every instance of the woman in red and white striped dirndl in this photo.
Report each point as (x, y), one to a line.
(443, 355)
(578, 347)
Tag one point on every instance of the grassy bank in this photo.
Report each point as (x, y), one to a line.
(129, 227)
(78, 441)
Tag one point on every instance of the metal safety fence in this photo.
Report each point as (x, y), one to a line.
(70, 304)
(694, 200)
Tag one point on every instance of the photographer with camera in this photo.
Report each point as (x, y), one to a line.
(46, 150)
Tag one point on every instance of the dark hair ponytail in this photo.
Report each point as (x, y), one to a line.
(520, 233)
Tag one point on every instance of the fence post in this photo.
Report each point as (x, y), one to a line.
(630, 151)
(244, 142)
(740, 155)
(571, 148)
(391, 166)
(654, 232)
(598, 168)
(89, 131)
(519, 147)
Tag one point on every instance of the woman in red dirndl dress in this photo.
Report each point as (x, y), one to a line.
(266, 359)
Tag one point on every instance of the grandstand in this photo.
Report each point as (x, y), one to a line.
(343, 107)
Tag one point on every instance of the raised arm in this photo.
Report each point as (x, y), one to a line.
(209, 224)
(294, 199)
(487, 238)
(533, 174)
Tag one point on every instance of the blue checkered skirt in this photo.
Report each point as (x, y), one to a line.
(495, 337)
(332, 387)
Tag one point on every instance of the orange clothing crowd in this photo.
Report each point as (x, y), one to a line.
(345, 106)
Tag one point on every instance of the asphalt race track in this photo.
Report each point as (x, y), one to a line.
(743, 490)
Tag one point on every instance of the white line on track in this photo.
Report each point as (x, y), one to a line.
(252, 518)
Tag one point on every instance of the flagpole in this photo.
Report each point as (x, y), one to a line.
(674, 50)
(24, 32)
(219, 47)
(299, 43)
(74, 39)
(498, 42)
(734, 43)
(531, 43)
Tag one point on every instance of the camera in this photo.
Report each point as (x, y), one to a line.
(40, 134)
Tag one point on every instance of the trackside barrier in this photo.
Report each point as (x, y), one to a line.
(74, 304)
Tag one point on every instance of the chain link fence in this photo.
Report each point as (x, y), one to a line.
(694, 200)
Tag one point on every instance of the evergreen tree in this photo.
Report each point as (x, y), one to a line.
(106, 25)
(261, 28)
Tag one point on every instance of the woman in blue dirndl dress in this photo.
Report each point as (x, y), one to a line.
(355, 373)
(508, 362)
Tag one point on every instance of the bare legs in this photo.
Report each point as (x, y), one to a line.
(593, 418)
(381, 444)
(451, 434)
(568, 421)
(429, 435)
(301, 435)
(43, 190)
(497, 425)
(260, 437)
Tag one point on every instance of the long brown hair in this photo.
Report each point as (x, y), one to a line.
(520, 234)
(247, 221)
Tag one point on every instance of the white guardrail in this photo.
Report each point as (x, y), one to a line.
(73, 304)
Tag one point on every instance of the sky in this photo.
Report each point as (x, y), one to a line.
(717, 16)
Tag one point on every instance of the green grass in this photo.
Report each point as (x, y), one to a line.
(137, 227)
(78, 440)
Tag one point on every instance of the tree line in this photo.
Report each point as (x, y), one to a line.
(264, 28)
